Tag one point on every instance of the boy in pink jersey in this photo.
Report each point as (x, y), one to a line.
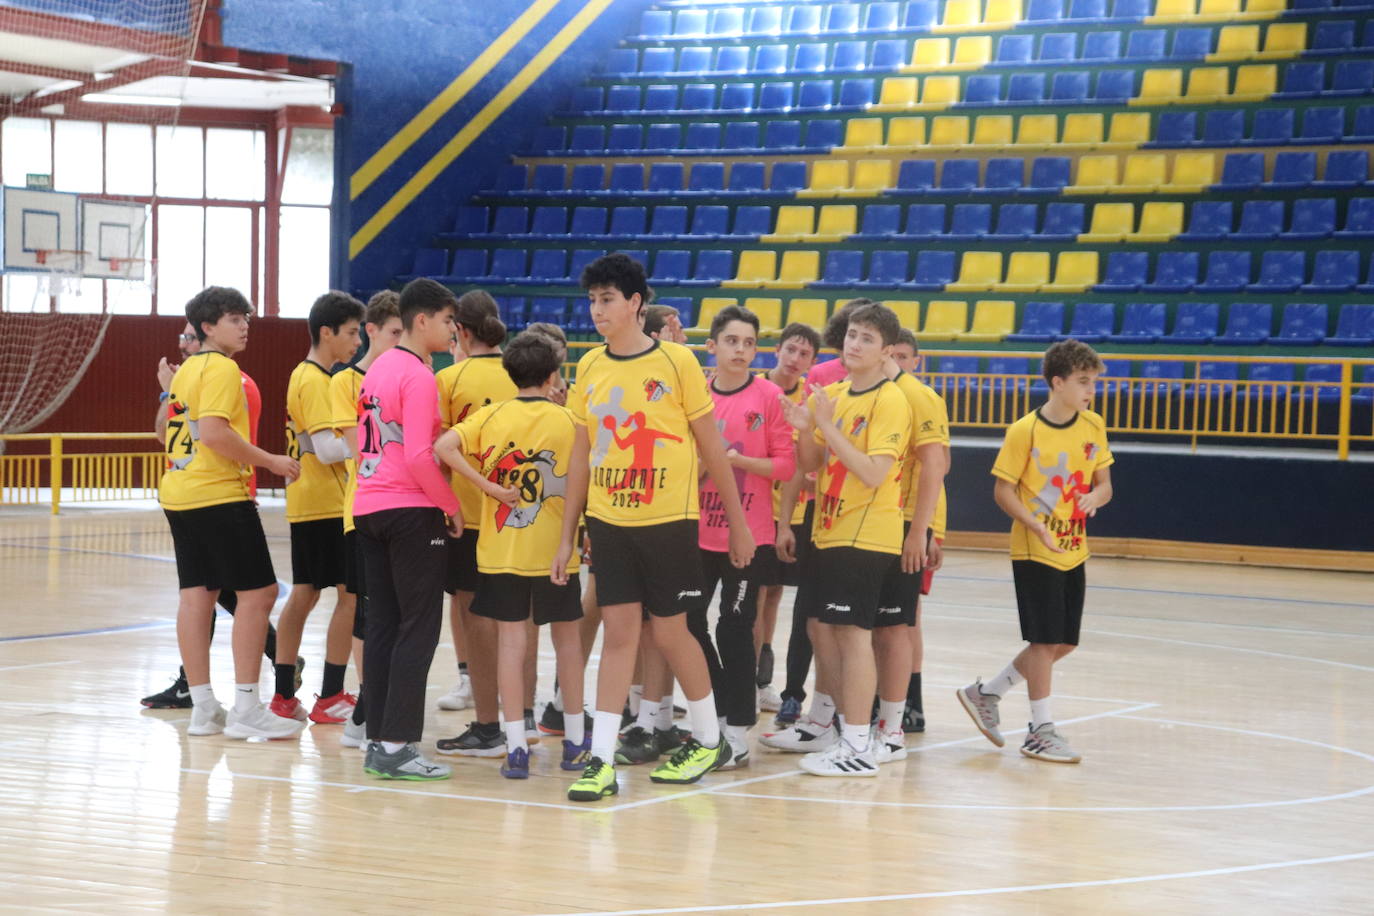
(758, 444)
(403, 509)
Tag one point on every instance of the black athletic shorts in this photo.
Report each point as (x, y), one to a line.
(901, 592)
(502, 596)
(317, 553)
(221, 547)
(658, 566)
(355, 581)
(460, 575)
(846, 584)
(780, 573)
(1049, 601)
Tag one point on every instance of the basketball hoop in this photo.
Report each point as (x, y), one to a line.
(62, 271)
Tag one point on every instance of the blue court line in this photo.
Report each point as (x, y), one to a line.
(1162, 591)
(156, 624)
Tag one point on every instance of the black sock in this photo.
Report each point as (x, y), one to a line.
(913, 692)
(332, 682)
(269, 648)
(181, 675)
(488, 728)
(286, 680)
(463, 666)
(358, 710)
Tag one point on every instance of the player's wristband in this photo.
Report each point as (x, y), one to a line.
(162, 398)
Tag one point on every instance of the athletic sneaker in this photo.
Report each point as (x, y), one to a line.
(460, 697)
(637, 746)
(369, 750)
(841, 759)
(888, 746)
(764, 676)
(913, 720)
(982, 709)
(627, 718)
(789, 711)
(768, 699)
(531, 730)
(596, 782)
(177, 696)
(806, 736)
(576, 756)
(333, 710)
(691, 762)
(407, 763)
(206, 719)
(479, 740)
(1044, 743)
(288, 709)
(668, 740)
(260, 722)
(353, 735)
(517, 765)
(739, 756)
(551, 721)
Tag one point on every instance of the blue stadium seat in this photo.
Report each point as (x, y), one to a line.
(1227, 271)
(1222, 376)
(1003, 175)
(510, 221)
(880, 221)
(843, 267)
(956, 366)
(1368, 285)
(1026, 89)
(581, 257)
(710, 222)
(1146, 45)
(959, 174)
(1141, 322)
(1363, 131)
(1209, 219)
(856, 94)
(1132, 9)
(1040, 322)
(1260, 220)
(1346, 168)
(586, 179)
(1195, 322)
(690, 23)
(510, 178)
(1156, 377)
(513, 310)
(549, 223)
(1322, 125)
(1125, 273)
(915, 176)
(703, 136)
(970, 222)
(1359, 219)
(1175, 272)
(1058, 47)
(1013, 50)
(934, 269)
(1313, 218)
(1048, 175)
(469, 263)
(1333, 272)
(430, 262)
(508, 265)
(736, 98)
(668, 222)
(775, 98)
(622, 138)
(1302, 80)
(983, 89)
(1191, 44)
(842, 17)
(787, 177)
(665, 178)
(588, 222)
(764, 20)
(628, 222)
(1271, 127)
(1176, 128)
(1293, 170)
(887, 270)
(782, 136)
(746, 178)
(665, 98)
(693, 61)
(1015, 222)
(811, 58)
(1045, 10)
(880, 17)
(1241, 172)
(588, 98)
(925, 221)
(752, 222)
(729, 60)
(726, 21)
(1333, 36)
(1063, 222)
(1354, 327)
(1092, 322)
(1101, 46)
(1324, 372)
(1280, 272)
(549, 265)
(470, 221)
(706, 178)
(1275, 374)
(888, 54)
(849, 56)
(920, 14)
(1070, 86)
(1352, 77)
(658, 60)
(1088, 10)
(1005, 366)
(816, 94)
(553, 309)
(661, 138)
(1302, 325)
(803, 19)
(627, 178)
(712, 267)
(821, 136)
(1223, 128)
(1247, 324)
(671, 265)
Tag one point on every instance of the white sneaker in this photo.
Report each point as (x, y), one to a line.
(460, 697)
(739, 754)
(206, 719)
(888, 746)
(353, 735)
(769, 700)
(841, 759)
(807, 735)
(260, 722)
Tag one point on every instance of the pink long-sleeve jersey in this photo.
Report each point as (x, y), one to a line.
(751, 422)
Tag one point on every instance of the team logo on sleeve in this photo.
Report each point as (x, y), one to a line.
(655, 389)
(1089, 450)
(753, 420)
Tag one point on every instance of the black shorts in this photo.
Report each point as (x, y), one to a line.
(845, 585)
(460, 574)
(1049, 601)
(317, 553)
(355, 581)
(658, 566)
(781, 573)
(901, 592)
(221, 547)
(502, 596)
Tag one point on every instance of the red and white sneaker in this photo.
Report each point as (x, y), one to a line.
(287, 709)
(333, 710)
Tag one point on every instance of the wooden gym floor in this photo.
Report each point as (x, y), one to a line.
(1224, 715)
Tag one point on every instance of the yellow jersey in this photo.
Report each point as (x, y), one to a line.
(877, 421)
(525, 443)
(207, 384)
(319, 492)
(638, 412)
(344, 387)
(929, 423)
(464, 387)
(796, 396)
(1051, 465)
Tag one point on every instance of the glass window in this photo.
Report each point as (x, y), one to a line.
(27, 149)
(229, 248)
(22, 293)
(304, 270)
(235, 164)
(77, 151)
(180, 257)
(180, 161)
(128, 159)
(309, 175)
(126, 297)
(85, 297)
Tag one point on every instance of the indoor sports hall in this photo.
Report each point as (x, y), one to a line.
(1182, 185)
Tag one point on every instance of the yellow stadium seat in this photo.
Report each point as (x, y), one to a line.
(1255, 81)
(972, 52)
(813, 312)
(1160, 86)
(1005, 13)
(1285, 39)
(1027, 271)
(899, 92)
(1144, 173)
(1218, 8)
(978, 271)
(871, 175)
(940, 91)
(794, 223)
(908, 312)
(769, 312)
(1193, 172)
(829, 175)
(755, 269)
(1074, 272)
(1175, 9)
(904, 132)
(707, 310)
(1208, 84)
(993, 319)
(960, 14)
(1037, 130)
(1096, 174)
(930, 54)
(949, 130)
(863, 132)
(1110, 223)
(992, 130)
(1260, 7)
(1237, 42)
(837, 221)
(1082, 129)
(946, 319)
(798, 269)
(1129, 128)
(1159, 221)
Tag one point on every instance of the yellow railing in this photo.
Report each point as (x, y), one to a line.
(87, 477)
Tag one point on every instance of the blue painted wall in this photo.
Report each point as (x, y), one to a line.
(401, 55)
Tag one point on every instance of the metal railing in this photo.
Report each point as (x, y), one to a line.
(32, 479)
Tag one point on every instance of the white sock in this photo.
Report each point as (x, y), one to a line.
(393, 747)
(648, 714)
(515, 735)
(664, 719)
(558, 699)
(822, 709)
(702, 714)
(203, 694)
(605, 729)
(890, 714)
(738, 736)
(856, 736)
(636, 694)
(1003, 683)
(1040, 713)
(575, 727)
(245, 697)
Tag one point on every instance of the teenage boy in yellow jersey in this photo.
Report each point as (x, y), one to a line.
(382, 323)
(534, 483)
(644, 413)
(1053, 473)
(314, 511)
(216, 531)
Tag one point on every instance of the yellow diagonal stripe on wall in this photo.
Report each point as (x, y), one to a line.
(474, 128)
(394, 148)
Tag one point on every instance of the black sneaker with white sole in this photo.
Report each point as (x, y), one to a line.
(481, 739)
(177, 696)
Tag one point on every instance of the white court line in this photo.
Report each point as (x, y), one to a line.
(38, 665)
(988, 891)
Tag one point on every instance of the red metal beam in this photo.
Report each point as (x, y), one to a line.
(122, 77)
(57, 73)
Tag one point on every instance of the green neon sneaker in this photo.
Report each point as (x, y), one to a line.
(596, 782)
(691, 762)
